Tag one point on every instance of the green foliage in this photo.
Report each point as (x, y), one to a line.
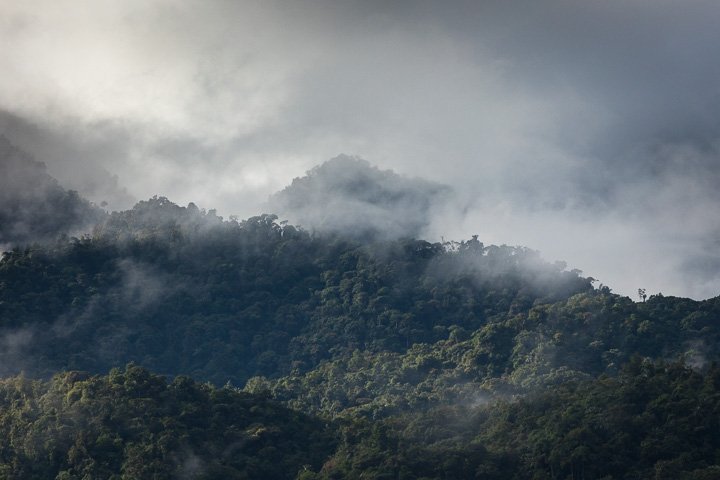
(181, 291)
(653, 421)
(582, 337)
(132, 424)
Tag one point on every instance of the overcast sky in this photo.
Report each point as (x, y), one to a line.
(589, 130)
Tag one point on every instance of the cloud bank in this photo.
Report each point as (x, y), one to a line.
(586, 130)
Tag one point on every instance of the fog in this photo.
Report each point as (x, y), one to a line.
(586, 130)
(347, 195)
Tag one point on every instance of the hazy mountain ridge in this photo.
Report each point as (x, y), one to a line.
(33, 206)
(348, 195)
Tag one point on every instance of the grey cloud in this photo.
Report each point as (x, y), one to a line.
(586, 130)
(78, 156)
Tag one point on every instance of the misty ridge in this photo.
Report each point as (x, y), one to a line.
(349, 196)
(33, 206)
(345, 195)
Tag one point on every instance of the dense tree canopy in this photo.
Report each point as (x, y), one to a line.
(132, 424)
(183, 292)
(400, 359)
(654, 421)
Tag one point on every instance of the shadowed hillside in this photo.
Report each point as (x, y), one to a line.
(133, 424)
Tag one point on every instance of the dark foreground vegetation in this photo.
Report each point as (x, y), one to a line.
(132, 424)
(655, 421)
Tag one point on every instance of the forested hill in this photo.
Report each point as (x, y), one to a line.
(181, 291)
(131, 424)
(423, 360)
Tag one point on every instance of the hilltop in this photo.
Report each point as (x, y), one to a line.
(349, 196)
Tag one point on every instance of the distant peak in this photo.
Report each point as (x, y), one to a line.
(349, 195)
